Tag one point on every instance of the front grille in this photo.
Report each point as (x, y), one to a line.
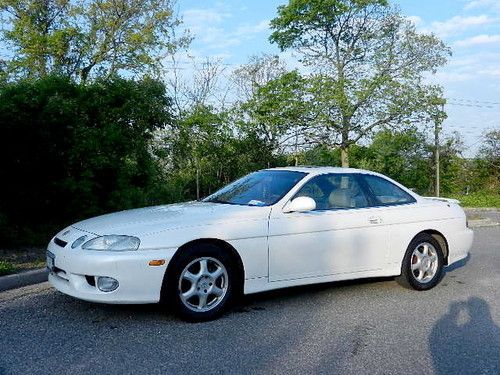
(60, 242)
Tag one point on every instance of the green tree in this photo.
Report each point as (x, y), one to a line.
(205, 151)
(38, 34)
(368, 65)
(277, 112)
(402, 155)
(259, 71)
(91, 37)
(485, 167)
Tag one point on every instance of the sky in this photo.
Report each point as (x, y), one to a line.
(234, 30)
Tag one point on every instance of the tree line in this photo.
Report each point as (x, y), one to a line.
(93, 119)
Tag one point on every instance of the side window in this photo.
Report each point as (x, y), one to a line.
(334, 191)
(385, 192)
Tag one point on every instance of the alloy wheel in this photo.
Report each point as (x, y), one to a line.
(424, 262)
(203, 284)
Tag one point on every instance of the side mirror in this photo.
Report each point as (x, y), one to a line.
(300, 204)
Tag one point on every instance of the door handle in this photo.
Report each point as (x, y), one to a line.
(374, 220)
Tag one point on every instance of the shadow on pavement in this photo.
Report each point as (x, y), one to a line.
(458, 264)
(300, 291)
(466, 340)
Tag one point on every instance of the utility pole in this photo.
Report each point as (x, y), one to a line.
(436, 156)
(296, 147)
(436, 153)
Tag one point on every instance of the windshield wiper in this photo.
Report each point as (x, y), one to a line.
(226, 202)
(218, 201)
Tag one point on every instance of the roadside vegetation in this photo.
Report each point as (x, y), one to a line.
(95, 117)
(6, 268)
(479, 199)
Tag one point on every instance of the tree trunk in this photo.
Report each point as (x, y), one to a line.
(197, 181)
(344, 145)
(296, 147)
(344, 156)
(197, 167)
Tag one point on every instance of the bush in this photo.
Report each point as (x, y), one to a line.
(6, 268)
(480, 199)
(70, 151)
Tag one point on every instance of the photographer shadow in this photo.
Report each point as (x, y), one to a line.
(466, 340)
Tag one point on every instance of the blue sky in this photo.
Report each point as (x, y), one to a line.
(235, 29)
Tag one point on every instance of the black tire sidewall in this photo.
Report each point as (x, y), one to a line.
(179, 262)
(406, 272)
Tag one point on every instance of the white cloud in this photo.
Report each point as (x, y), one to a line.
(458, 24)
(253, 29)
(416, 20)
(445, 77)
(478, 40)
(493, 71)
(197, 18)
(471, 68)
(474, 4)
(217, 38)
(207, 27)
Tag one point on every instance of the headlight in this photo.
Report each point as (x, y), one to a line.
(112, 243)
(78, 242)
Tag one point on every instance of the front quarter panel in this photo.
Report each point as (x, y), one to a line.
(248, 236)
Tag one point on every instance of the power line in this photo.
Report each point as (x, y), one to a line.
(474, 101)
(471, 105)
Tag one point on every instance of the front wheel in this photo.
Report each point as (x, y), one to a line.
(422, 266)
(200, 282)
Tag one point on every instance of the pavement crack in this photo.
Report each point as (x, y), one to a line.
(359, 338)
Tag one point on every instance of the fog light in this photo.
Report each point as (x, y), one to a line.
(106, 284)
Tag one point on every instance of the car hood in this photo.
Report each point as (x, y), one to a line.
(159, 218)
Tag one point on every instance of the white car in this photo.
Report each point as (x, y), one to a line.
(271, 229)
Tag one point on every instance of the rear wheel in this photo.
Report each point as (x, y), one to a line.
(422, 267)
(200, 282)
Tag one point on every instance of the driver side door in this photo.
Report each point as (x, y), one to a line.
(341, 235)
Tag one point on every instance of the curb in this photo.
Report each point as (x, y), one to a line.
(481, 209)
(480, 223)
(22, 279)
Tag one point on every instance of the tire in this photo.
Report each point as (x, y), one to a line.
(200, 282)
(422, 267)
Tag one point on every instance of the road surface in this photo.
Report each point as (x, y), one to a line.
(372, 326)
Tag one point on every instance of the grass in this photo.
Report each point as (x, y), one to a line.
(6, 268)
(21, 259)
(479, 200)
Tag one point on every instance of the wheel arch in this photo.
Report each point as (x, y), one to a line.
(235, 256)
(440, 238)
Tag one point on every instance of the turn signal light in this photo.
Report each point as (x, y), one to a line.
(157, 262)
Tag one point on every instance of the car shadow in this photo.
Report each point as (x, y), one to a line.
(466, 340)
(246, 303)
(458, 264)
(298, 292)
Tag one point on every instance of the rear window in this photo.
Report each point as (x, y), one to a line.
(385, 192)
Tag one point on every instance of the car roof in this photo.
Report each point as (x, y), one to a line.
(317, 170)
(320, 170)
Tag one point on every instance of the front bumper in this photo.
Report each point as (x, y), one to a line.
(75, 271)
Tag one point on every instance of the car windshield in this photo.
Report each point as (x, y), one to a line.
(262, 188)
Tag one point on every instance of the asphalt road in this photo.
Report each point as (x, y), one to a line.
(372, 326)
